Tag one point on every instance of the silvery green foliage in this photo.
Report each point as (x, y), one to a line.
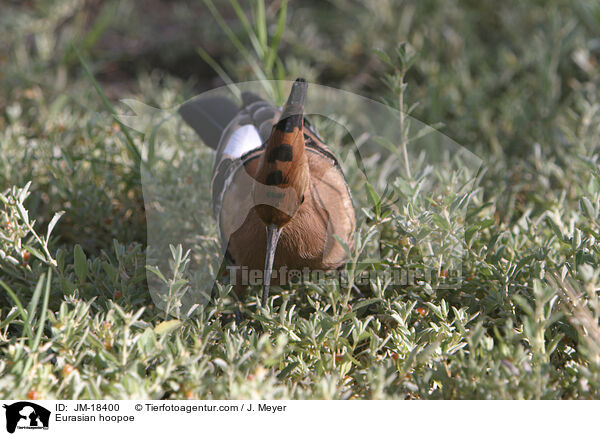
(523, 323)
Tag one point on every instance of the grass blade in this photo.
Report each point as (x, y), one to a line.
(256, 44)
(31, 308)
(261, 23)
(129, 143)
(222, 74)
(20, 308)
(43, 313)
(272, 54)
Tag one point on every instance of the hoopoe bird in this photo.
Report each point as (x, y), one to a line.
(279, 194)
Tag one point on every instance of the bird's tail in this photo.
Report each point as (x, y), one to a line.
(208, 117)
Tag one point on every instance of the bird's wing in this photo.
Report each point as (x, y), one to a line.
(315, 144)
(259, 117)
(244, 137)
(329, 182)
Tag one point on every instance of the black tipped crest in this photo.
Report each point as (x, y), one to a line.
(282, 153)
(298, 93)
(293, 110)
(289, 123)
(275, 178)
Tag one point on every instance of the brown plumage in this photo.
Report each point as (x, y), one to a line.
(287, 198)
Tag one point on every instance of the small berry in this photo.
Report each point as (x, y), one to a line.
(33, 395)
(421, 311)
(29, 93)
(260, 372)
(339, 357)
(395, 356)
(67, 370)
(189, 394)
(118, 294)
(107, 345)
(26, 256)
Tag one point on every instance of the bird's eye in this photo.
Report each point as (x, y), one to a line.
(302, 199)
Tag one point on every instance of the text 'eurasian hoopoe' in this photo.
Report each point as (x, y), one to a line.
(279, 194)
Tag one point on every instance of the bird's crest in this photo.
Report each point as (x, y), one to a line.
(284, 163)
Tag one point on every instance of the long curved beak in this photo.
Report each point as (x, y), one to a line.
(273, 233)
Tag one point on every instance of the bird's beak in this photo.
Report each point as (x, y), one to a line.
(273, 233)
